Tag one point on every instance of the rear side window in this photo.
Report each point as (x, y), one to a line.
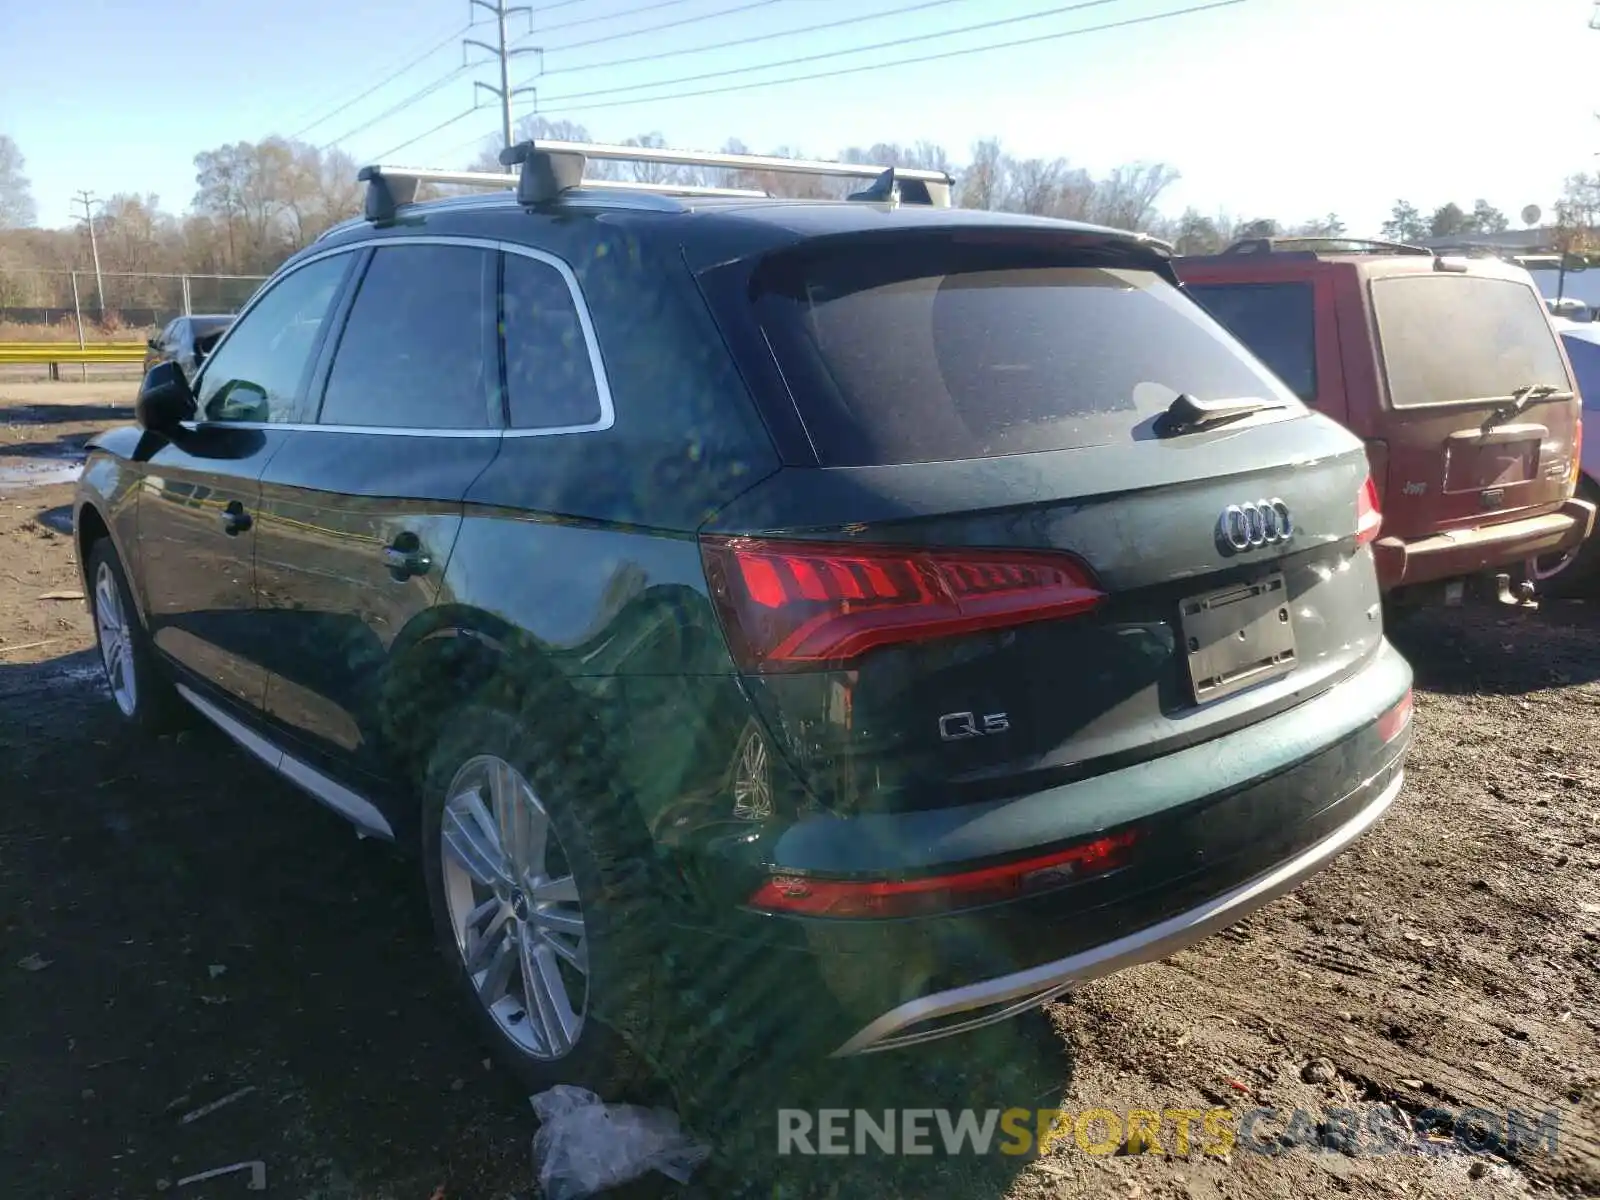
(1584, 356)
(551, 378)
(1459, 337)
(925, 350)
(417, 351)
(1277, 321)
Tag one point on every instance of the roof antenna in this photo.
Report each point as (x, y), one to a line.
(545, 174)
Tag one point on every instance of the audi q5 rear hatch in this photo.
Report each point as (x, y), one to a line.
(1054, 519)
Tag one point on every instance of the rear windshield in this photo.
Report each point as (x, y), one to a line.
(1461, 337)
(1585, 358)
(929, 351)
(1276, 320)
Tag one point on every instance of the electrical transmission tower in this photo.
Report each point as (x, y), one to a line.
(505, 53)
(88, 201)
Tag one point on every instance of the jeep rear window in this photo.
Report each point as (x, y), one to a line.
(1277, 321)
(928, 350)
(1455, 337)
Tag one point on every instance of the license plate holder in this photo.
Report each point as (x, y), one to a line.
(1238, 636)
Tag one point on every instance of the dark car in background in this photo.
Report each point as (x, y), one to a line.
(1448, 369)
(866, 618)
(186, 341)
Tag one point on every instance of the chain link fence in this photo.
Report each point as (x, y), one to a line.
(42, 304)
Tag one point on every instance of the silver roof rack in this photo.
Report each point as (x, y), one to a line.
(549, 169)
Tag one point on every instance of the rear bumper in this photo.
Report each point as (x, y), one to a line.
(1465, 552)
(1221, 828)
(962, 1008)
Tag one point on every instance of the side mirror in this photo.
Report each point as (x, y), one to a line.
(152, 343)
(164, 399)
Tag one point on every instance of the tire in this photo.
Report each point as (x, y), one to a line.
(594, 870)
(139, 684)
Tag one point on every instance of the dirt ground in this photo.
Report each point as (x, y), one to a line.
(176, 925)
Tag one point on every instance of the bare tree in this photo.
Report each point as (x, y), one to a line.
(1126, 198)
(1034, 185)
(16, 197)
(983, 183)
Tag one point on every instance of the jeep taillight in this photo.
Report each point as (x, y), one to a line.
(1368, 519)
(788, 605)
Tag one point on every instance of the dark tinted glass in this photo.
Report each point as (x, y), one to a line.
(1585, 358)
(550, 379)
(1277, 321)
(416, 351)
(256, 374)
(1460, 337)
(926, 352)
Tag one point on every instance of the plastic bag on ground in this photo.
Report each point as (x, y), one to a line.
(585, 1146)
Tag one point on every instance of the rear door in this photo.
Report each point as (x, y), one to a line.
(1456, 351)
(360, 512)
(986, 570)
(199, 504)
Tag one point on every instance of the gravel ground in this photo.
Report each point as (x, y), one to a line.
(176, 926)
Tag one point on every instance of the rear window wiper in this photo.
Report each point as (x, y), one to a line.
(1522, 397)
(1186, 413)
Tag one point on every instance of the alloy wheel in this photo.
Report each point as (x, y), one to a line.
(514, 907)
(115, 636)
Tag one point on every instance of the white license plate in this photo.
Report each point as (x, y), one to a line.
(1237, 637)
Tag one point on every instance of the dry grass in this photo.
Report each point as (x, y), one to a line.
(67, 331)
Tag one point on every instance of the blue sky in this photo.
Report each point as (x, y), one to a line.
(1285, 108)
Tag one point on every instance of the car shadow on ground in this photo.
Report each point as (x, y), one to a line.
(181, 925)
(1501, 650)
(68, 446)
(68, 414)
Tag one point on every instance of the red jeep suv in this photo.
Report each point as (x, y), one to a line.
(1449, 369)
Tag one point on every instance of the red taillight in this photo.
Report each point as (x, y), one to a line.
(790, 605)
(806, 896)
(1368, 519)
(1396, 719)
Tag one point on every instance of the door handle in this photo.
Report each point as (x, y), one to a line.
(234, 519)
(405, 558)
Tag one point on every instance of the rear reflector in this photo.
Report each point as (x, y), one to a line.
(1368, 519)
(1393, 722)
(793, 605)
(806, 896)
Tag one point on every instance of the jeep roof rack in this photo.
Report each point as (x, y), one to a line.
(1309, 244)
(549, 170)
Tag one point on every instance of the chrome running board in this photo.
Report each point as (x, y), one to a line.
(354, 808)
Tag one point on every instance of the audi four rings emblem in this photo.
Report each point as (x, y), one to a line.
(1256, 523)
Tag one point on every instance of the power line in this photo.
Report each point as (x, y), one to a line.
(827, 54)
(461, 116)
(643, 29)
(385, 81)
(394, 108)
(627, 12)
(760, 37)
(900, 62)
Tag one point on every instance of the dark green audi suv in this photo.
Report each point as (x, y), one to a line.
(861, 608)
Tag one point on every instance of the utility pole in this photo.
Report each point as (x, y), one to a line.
(505, 53)
(88, 201)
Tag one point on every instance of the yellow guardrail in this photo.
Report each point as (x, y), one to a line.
(66, 352)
